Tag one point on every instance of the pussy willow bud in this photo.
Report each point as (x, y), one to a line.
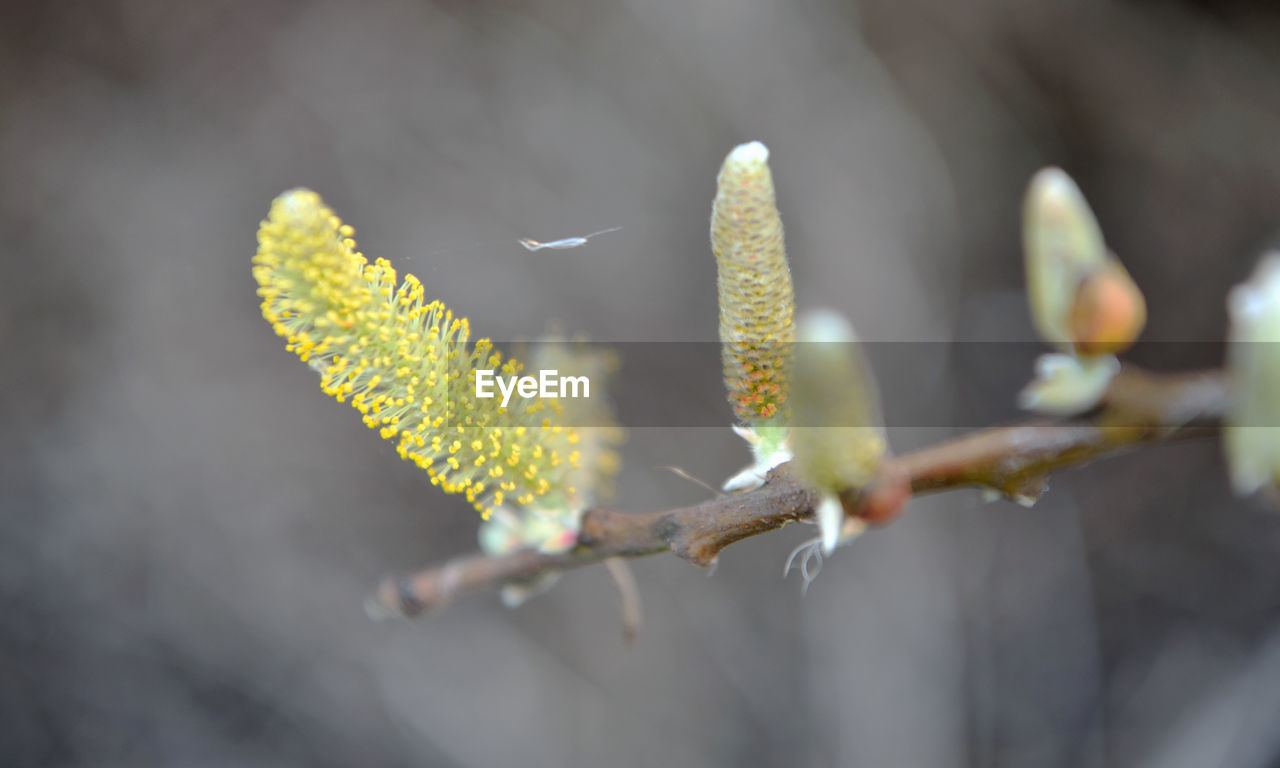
(1082, 299)
(1062, 243)
(757, 302)
(1252, 436)
(1108, 311)
(837, 431)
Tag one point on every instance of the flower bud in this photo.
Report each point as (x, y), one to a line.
(837, 431)
(1108, 311)
(1082, 299)
(1062, 244)
(1066, 385)
(1251, 438)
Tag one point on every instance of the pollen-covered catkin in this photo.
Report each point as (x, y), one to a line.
(404, 362)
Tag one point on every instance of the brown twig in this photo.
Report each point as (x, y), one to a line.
(1016, 460)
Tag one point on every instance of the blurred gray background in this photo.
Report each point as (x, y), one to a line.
(188, 525)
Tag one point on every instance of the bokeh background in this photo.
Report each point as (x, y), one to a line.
(188, 525)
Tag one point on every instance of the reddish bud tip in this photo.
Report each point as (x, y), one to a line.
(1108, 312)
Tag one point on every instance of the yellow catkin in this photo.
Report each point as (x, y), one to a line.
(404, 362)
(757, 302)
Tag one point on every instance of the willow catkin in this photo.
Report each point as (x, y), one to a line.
(405, 363)
(757, 302)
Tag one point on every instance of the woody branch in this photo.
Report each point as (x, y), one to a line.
(1139, 408)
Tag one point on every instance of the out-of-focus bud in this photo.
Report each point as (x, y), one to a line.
(1062, 244)
(550, 531)
(837, 431)
(1082, 299)
(1066, 385)
(1252, 435)
(1108, 312)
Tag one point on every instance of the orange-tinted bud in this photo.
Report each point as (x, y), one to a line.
(1107, 313)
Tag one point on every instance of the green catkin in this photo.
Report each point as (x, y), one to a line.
(757, 302)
